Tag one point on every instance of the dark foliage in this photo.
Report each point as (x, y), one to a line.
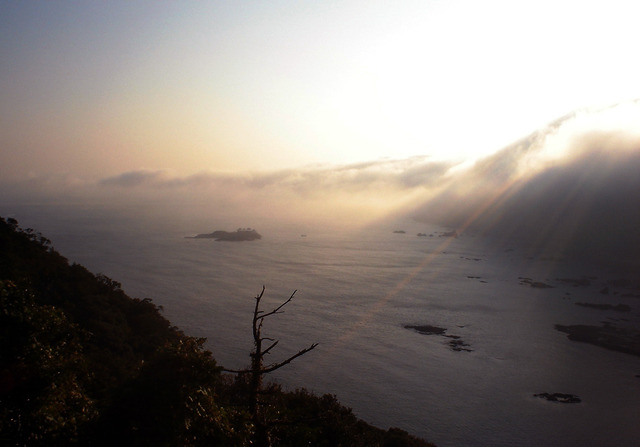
(81, 363)
(43, 375)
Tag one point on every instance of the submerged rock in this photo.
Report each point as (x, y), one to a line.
(576, 282)
(535, 284)
(428, 329)
(455, 342)
(559, 397)
(458, 345)
(618, 308)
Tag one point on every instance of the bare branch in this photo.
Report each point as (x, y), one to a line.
(276, 310)
(266, 351)
(256, 311)
(237, 371)
(275, 366)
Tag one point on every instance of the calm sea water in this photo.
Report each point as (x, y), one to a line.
(357, 291)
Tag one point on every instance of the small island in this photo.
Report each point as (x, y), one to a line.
(241, 234)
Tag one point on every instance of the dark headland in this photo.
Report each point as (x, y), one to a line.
(82, 363)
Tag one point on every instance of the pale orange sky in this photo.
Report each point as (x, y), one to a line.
(94, 89)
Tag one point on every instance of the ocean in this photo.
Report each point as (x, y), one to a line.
(357, 290)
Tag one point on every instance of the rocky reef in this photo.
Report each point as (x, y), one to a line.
(455, 343)
(607, 336)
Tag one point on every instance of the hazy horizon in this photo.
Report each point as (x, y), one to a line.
(328, 116)
(360, 193)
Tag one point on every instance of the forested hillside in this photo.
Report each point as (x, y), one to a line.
(82, 363)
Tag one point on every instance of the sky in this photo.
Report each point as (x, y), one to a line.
(96, 89)
(264, 106)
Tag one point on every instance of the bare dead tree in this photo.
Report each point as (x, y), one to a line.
(258, 369)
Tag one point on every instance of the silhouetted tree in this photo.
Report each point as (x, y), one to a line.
(258, 368)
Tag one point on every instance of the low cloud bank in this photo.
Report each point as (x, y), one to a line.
(565, 191)
(391, 175)
(346, 196)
